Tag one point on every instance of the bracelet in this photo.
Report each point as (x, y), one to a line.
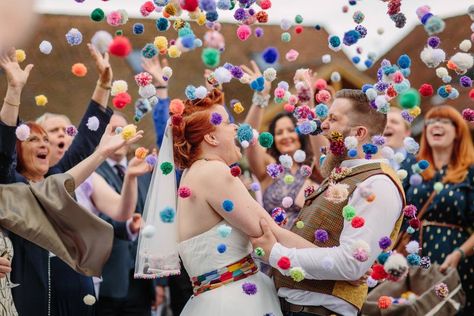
(10, 103)
(463, 255)
(103, 86)
(260, 100)
(161, 87)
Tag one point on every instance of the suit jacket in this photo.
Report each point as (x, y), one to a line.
(116, 273)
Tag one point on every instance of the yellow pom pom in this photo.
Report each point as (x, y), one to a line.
(194, 15)
(41, 100)
(170, 9)
(238, 108)
(297, 274)
(201, 20)
(118, 86)
(289, 179)
(300, 224)
(20, 55)
(174, 51)
(161, 43)
(414, 112)
(129, 131)
(179, 24)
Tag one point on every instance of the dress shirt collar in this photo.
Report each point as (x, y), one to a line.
(122, 162)
(351, 163)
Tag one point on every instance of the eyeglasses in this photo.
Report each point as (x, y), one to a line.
(443, 121)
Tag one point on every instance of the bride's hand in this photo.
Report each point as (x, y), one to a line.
(266, 241)
(362, 280)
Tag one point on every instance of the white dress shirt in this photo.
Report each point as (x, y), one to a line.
(380, 217)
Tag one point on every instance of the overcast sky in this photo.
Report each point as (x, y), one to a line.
(327, 13)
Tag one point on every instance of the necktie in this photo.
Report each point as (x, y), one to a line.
(120, 171)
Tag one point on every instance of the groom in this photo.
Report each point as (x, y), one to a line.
(371, 187)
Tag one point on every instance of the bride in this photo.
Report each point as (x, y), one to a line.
(215, 218)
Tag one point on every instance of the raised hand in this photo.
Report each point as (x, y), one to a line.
(155, 68)
(16, 77)
(102, 64)
(138, 167)
(254, 72)
(111, 141)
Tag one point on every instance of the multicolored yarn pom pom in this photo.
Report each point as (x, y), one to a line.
(166, 167)
(279, 216)
(441, 290)
(259, 252)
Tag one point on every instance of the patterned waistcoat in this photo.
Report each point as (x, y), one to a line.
(319, 213)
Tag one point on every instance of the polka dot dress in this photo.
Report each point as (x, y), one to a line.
(454, 206)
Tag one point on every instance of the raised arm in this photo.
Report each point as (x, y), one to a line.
(102, 90)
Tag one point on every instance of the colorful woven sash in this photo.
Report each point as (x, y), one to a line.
(239, 270)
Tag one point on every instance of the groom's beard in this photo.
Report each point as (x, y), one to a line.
(330, 162)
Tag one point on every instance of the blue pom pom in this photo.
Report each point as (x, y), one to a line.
(334, 41)
(228, 205)
(413, 259)
(258, 84)
(404, 61)
(244, 132)
(207, 5)
(197, 42)
(322, 110)
(352, 153)
(406, 72)
(162, 24)
(270, 55)
(188, 41)
(149, 51)
(221, 248)
(351, 37)
(356, 59)
(423, 164)
(212, 16)
(190, 92)
(223, 4)
(382, 257)
(442, 92)
(167, 215)
(366, 87)
(138, 28)
(368, 63)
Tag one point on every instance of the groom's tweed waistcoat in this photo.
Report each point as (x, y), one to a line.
(319, 213)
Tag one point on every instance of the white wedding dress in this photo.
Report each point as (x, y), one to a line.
(200, 256)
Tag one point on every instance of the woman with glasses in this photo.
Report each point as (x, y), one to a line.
(446, 232)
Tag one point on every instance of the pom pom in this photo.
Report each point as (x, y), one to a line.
(147, 91)
(151, 160)
(287, 202)
(97, 15)
(174, 51)
(138, 28)
(413, 259)
(121, 100)
(101, 41)
(348, 212)
(396, 266)
(149, 51)
(166, 167)
(438, 187)
(415, 179)
(335, 76)
(167, 215)
(382, 257)
(244, 32)
(45, 47)
(201, 92)
(378, 272)
(360, 250)
(385, 242)
(120, 46)
(74, 37)
(432, 57)
(409, 99)
(291, 55)
(286, 161)
(414, 223)
(259, 252)
(404, 61)
(224, 230)
(162, 24)
(22, 132)
(468, 114)
(409, 210)
(411, 145)
(321, 235)
(222, 75)
(412, 247)
(227, 205)
(284, 263)
(221, 248)
(210, 57)
(92, 123)
(238, 108)
(299, 156)
(141, 152)
(128, 131)
(265, 139)
(279, 216)
(441, 290)
(244, 132)
(334, 42)
(216, 118)
(255, 187)
(357, 222)
(41, 100)
(425, 262)
(177, 107)
(337, 192)
(426, 90)
(89, 299)
(114, 18)
(371, 283)
(351, 37)
(71, 130)
(269, 74)
(148, 231)
(384, 302)
(322, 110)
(79, 70)
(118, 86)
(305, 170)
(297, 274)
(184, 192)
(402, 174)
(249, 288)
(351, 142)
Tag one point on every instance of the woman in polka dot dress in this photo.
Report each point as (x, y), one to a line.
(446, 234)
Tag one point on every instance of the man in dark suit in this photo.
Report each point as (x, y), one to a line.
(120, 293)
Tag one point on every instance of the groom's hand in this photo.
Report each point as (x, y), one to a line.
(266, 241)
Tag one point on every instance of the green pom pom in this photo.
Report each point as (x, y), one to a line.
(232, 5)
(97, 15)
(410, 99)
(289, 179)
(348, 212)
(119, 32)
(300, 224)
(265, 139)
(185, 31)
(285, 37)
(298, 19)
(211, 57)
(438, 186)
(259, 252)
(166, 167)
(297, 274)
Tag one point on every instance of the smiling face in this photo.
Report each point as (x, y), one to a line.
(396, 129)
(224, 138)
(34, 156)
(285, 136)
(55, 126)
(440, 133)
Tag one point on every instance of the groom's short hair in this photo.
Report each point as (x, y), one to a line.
(362, 113)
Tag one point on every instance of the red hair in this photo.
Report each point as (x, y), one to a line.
(190, 131)
(463, 150)
(34, 128)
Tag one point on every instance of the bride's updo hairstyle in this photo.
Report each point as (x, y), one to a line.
(190, 128)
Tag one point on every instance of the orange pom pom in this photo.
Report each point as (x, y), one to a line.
(141, 152)
(79, 70)
(176, 106)
(384, 302)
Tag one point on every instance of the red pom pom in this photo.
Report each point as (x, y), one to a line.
(176, 106)
(415, 223)
(262, 17)
(426, 90)
(391, 92)
(265, 4)
(320, 84)
(284, 263)
(235, 171)
(289, 108)
(176, 120)
(378, 272)
(189, 5)
(357, 222)
(384, 302)
(148, 7)
(121, 100)
(471, 94)
(184, 192)
(120, 46)
(298, 29)
(468, 114)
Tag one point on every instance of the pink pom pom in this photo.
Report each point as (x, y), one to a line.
(143, 79)
(321, 84)
(147, 8)
(244, 32)
(289, 108)
(265, 4)
(397, 77)
(468, 115)
(120, 46)
(292, 55)
(184, 192)
(279, 93)
(360, 255)
(114, 18)
(323, 96)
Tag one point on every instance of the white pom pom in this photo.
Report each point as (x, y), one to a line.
(335, 76)
(93, 123)
(22, 132)
(387, 152)
(412, 247)
(326, 59)
(402, 174)
(147, 91)
(299, 156)
(270, 74)
(397, 262)
(287, 202)
(351, 142)
(200, 92)
(360, 244)
(327, 263)
(245, 79)
(371, 282)
(285, 24)
(222, 75)
(441, 72)
(380, 101)
(89, 299)
(244, 144)
(465, 45)
(371, 94)
(432, 57)
(463, 61)
(101, 41)
(149, 231)
(46, 47)
(399, 157)
(167, 72)
(447, 79)
(153, 101)
(118, 86)
(286, 161)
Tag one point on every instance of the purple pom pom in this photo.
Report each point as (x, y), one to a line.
(240, 14)
(406, 116)
(258, 32)
(151, 160)
(385, 242)
(249, 288)
(434, 41)
(321, 235)
(378, 140)
(236, 72)
(465, 81)
(416, 179)
(216, 118)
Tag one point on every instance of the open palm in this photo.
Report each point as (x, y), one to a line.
(155, 68)
(102, 64)
(254, 72)
(16, 76)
